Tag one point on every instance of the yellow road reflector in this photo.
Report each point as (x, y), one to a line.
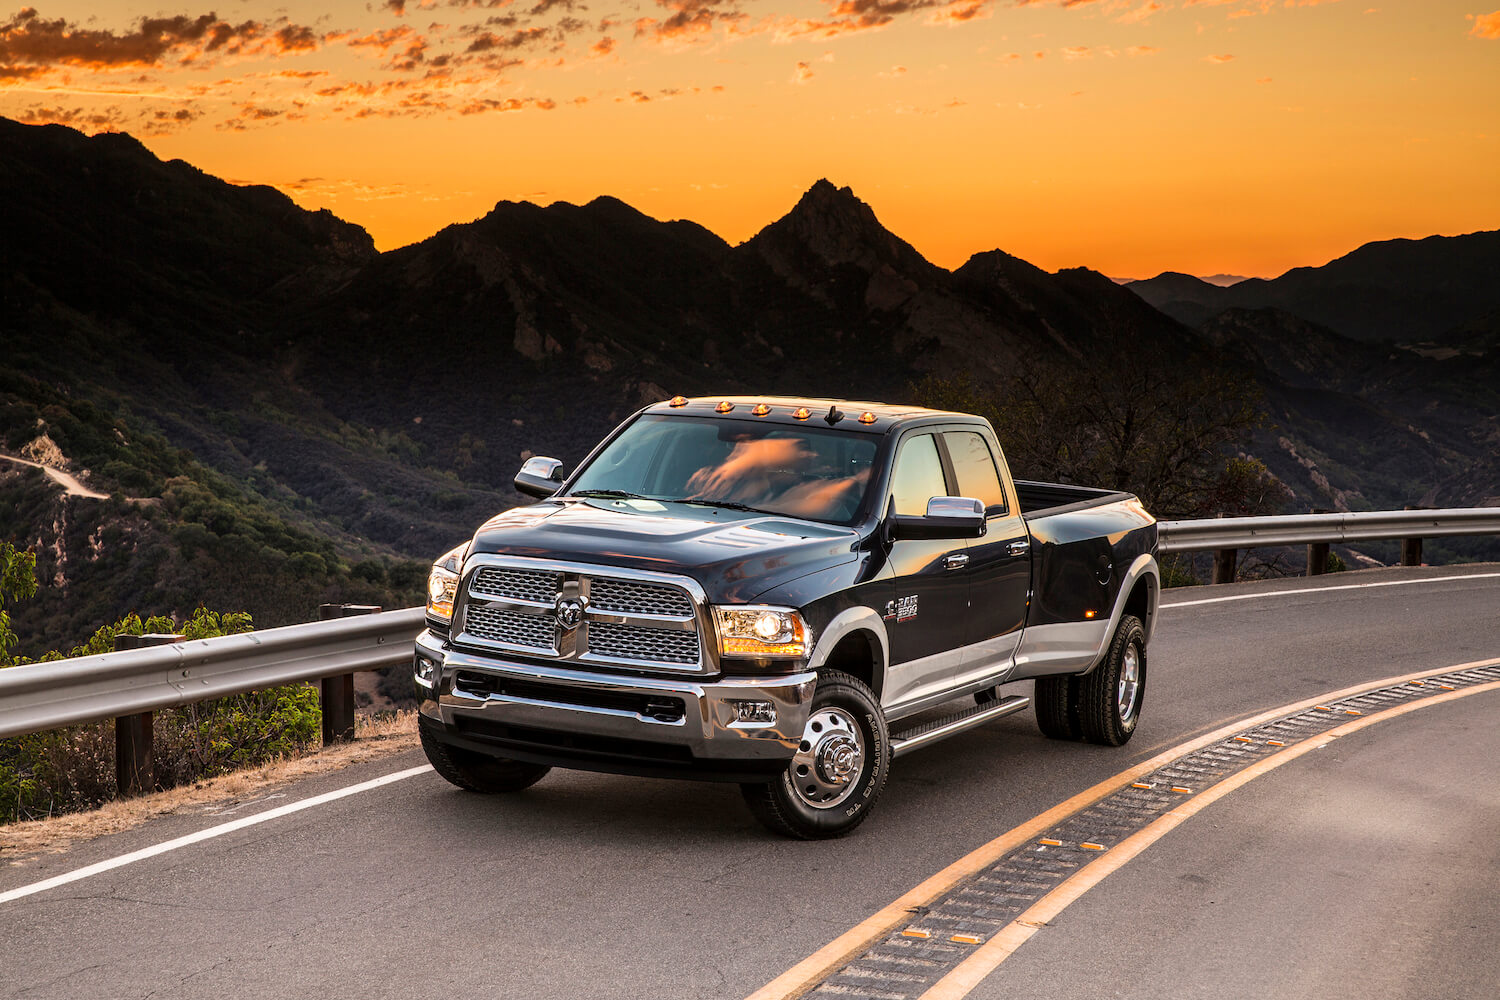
(1141, 784)
(1181, 790)
(1050, 842)
(1418, 683)
(1447, 687)
(1275, 743)
(915, 932)
(1322, 708)
(1243, 739)
(966, 939)
(1350, 711)
(1091, 847)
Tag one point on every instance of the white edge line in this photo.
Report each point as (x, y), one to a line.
(209, 834)
(1320, 590)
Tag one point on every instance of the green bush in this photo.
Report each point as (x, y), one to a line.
(68, 770)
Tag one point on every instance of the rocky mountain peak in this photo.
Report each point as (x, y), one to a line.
(835, 227)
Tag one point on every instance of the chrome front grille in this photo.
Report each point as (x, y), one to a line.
(539, 586)
(586, 613)
(631, 597)
(512, 628)
(650, 645)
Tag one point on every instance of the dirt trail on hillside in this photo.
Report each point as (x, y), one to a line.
(69, 483)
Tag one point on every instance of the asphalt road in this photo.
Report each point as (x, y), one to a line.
(1366, 868)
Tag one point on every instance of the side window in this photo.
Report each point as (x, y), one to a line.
(975, 467)
(919, 475)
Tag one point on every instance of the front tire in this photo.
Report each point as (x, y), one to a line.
(477, 772)
(1110, 697)
(832, 783)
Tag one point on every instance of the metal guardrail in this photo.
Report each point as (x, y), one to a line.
(1338, 529)
(39, 696)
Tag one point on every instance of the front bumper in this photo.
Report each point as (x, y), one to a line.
(661, 727)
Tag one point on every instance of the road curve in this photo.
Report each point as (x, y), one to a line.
(593, 886)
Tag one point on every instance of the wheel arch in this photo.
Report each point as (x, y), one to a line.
(856, 643)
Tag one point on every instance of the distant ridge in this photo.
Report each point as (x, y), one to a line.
(1402, 290)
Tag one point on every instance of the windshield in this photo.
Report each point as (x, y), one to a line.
(807, 472)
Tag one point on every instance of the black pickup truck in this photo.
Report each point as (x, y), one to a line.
(784, 593)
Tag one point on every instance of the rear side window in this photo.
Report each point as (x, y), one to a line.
(919, 475)
(974, 466)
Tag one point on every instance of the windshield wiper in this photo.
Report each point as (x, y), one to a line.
(730, 505)
(608, 494)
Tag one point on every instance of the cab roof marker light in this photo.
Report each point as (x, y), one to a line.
(724, 407)
(677, 401)
(801, 413)
(867, 417)
(760, 410)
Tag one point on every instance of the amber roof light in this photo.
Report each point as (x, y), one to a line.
(867, 417)
(677, 401)
(761, 409)
(802, 413)
(725, 406)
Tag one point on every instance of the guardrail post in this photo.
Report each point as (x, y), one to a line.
(134, 774)
(337, 693)
(1317, 552)
(1224, 562)
(1411, 548)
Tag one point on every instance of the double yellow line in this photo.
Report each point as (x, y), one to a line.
(960, 981)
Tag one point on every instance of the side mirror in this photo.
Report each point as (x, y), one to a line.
(946, 517)
(539, 477)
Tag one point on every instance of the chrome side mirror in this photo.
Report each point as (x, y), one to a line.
(539, 477)
(946, 517)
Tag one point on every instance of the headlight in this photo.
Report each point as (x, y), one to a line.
(760, 631)
(442, 583)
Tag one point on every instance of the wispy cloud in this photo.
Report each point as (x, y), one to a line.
(1486, 25)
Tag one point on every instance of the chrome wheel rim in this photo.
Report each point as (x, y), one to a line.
(829, 760)
(1129, 689)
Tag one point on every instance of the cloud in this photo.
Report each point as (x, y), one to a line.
(1142, 50)
(689, 19)
(1219, 59)
(802, 73)
(603, 46)
(1486, 25)
(848, 16)
(85, 120)
(1142, 12)
(30, 39)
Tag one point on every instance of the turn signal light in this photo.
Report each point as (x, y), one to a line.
(802, 413)
(725, 406)
(867, 417)
(677, 401)
(761, 409)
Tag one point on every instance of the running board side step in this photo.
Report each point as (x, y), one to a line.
(938, 729)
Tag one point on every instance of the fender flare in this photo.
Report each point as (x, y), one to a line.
(1143, 566)
(845, 622)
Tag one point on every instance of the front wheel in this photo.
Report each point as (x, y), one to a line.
(1110, 698)
(832, 782)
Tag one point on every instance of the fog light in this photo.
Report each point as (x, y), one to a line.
(753, 711)
(427, 670)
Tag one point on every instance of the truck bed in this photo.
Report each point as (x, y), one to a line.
(1041, 499)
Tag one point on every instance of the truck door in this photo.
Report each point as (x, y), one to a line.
(999, 567)
(925, 619)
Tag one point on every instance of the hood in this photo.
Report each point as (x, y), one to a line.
(734, 555)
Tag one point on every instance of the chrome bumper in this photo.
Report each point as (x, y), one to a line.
(564, 702)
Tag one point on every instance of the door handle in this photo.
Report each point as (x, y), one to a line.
(1019, 547)
(956, 561)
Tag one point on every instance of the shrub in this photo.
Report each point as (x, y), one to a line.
(68, 770)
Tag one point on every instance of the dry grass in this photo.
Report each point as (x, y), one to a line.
(374, 738)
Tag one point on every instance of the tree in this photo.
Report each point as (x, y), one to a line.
(17, 583)
(1168, 431)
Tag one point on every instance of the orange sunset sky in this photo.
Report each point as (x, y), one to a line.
(1131, 136)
